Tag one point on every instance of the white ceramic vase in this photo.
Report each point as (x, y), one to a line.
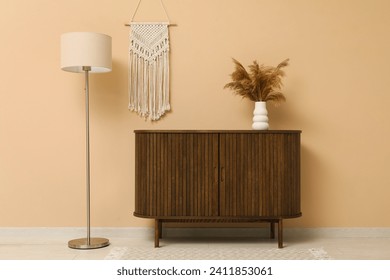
(260, 116)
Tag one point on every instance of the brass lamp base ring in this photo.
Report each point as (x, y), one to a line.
(94, 243)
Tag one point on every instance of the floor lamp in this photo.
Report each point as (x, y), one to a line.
(86, 52)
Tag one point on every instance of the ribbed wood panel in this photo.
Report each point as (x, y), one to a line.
(217, 174)
(176, 174)
(260, 174)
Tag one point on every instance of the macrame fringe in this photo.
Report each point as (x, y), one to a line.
(149, 71)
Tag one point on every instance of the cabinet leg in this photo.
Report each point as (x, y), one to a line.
(280, 233)
(160, 229)
(272, 229)
(157, 224)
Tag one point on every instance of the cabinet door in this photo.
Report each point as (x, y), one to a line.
(260, 174)
(177, 174)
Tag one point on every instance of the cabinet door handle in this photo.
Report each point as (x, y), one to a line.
(216, 174)
(222, 174)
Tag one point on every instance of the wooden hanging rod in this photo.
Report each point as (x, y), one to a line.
(150, 22)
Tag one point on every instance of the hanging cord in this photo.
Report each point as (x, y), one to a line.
(136, 10)
(165, 10)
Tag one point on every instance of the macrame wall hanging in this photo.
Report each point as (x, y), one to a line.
(149, 67)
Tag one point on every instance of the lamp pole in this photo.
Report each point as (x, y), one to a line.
(97, 242)
(88, 169)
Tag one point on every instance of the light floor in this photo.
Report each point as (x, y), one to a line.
(338, 248)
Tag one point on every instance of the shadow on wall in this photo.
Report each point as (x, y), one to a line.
(108, 91)
(310, 192)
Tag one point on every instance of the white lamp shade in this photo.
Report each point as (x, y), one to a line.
(80, 49)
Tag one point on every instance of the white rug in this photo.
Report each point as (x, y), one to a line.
(209, 253)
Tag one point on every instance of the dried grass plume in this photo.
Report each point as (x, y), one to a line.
(261, 83)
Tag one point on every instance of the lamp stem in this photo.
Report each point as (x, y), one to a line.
(88, 169)
(96, 242)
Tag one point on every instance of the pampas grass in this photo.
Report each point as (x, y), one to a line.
(261, 83)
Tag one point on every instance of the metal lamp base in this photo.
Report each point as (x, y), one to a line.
(82, 243)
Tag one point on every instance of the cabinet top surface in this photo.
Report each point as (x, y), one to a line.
(218, 131)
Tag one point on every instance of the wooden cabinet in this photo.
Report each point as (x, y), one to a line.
(229, 176)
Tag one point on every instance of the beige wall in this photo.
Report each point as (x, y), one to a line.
(337, 89)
